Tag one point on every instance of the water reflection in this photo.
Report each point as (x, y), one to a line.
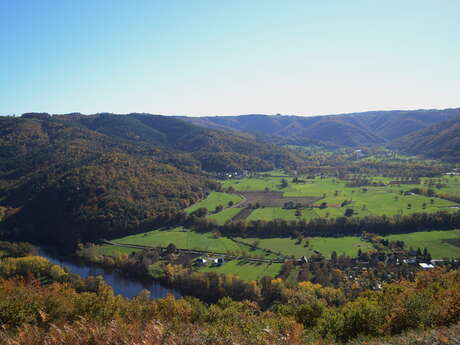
(121, 284)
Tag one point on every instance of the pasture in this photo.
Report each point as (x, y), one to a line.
(221, 217)
(440, 244)
(245, 270)
(451, 185)
(110, 250)
(213, 200)
(325, 245)
(336, 197)
(187, 239)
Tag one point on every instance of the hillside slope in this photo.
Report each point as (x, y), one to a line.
(440, 141)
(72, 178)
(354, 129)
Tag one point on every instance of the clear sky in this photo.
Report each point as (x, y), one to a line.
(216, 57)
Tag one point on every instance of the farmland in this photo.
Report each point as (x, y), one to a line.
(213, 200)
(187, 239)
(325, 245)
(330, 197)
(222, 216)
(246, 270)
(440, 244)
(265, 198)
(111, 250)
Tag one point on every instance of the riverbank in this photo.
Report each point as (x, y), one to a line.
(122, 284)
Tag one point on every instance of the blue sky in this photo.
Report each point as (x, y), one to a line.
(228, 57)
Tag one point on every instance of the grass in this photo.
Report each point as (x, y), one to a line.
(373, 200)
(110, 250)
(245, 270)
(344, 245)
(433, 241)
(254, 184)
(224, 215)
(187, 239)
(215, 199)
(452, 185)
(269, 213)
(325, 245)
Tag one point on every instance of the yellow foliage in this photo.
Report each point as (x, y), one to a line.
(277, 281)
(309, 286)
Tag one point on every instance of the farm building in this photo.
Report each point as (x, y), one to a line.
(218, 262)
(201, 261)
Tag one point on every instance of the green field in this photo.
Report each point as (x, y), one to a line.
(433, 241)
(110, 250)
(269, 213)
(452, 185)
(224, 215)
(325, 245)
(254, 184)
(187, 239)
(215, 199)
(365, 201)
(246, 270)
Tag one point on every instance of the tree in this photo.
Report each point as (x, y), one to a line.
(218, 208)
(200, 212)
(349, 212)
(334, 256)
(284, 183)
(171, 248)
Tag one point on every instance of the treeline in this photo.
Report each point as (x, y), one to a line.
(336, 227)
(340, 166)
(430, 192)
(326, 227)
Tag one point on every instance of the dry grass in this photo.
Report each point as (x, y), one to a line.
(151, 333)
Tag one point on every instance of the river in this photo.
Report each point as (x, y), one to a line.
(122, 285)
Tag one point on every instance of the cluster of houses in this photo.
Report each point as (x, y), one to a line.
(215, 262)
(234, 174)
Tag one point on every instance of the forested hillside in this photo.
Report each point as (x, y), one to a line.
(225, 150)
(355, 129)
(441, 141)
(74, 177)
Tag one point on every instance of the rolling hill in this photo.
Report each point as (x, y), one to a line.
(440, 141)
(71, 178)
(354, 129)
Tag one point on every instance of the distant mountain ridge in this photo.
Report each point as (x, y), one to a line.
(354, 129)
